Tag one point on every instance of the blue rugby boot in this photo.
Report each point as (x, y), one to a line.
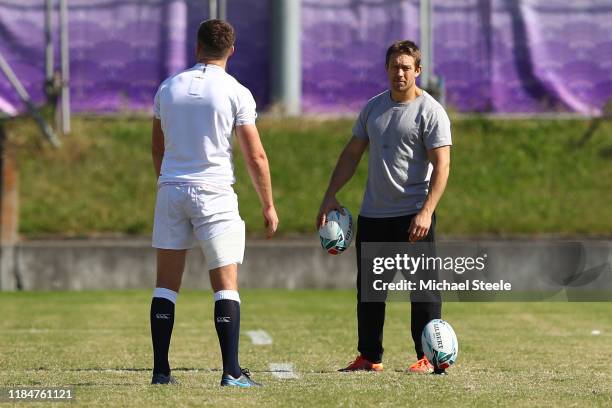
(244, 381)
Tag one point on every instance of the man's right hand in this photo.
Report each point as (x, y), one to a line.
(329, 203)
(270, 220)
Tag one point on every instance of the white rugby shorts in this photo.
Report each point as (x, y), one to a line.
(208, 214)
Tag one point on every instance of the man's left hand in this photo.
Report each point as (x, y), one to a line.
(419, 227)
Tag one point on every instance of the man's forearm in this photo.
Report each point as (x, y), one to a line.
(259, 170)
(344, 171)
(439, 178)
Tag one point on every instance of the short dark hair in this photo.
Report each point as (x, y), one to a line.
(404, 47)
(216, 37)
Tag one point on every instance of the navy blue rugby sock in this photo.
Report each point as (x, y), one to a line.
(227, 323)
(162, 322)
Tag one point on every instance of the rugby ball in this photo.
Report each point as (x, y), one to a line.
(440, 343)
(337, 232)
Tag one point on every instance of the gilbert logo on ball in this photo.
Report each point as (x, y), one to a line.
(440, 343)
(337, 232)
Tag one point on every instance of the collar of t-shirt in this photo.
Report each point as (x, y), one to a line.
(201, 66)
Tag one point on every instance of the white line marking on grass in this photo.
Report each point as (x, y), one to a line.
(259, 337)
(595, 332)
(112, 370)
(32, 330)
(284, 371)
(35, 330)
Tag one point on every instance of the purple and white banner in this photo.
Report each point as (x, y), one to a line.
(506, 56)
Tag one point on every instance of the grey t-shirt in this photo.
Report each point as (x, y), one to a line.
(399, 135)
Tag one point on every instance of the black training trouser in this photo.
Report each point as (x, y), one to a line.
(371, 315)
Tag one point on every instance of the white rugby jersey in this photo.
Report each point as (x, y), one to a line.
(199, 108)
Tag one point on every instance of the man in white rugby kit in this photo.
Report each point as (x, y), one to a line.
(196, 112)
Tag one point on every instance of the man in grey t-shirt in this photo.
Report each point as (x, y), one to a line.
(408, 133)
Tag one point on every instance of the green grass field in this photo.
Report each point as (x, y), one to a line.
(511, 354)
(508, 177)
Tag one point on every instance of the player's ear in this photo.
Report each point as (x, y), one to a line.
(417, 71)
(231, 51)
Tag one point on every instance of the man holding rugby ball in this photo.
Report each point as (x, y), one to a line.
(408, 133)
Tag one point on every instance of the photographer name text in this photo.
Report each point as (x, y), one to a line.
(442, 285)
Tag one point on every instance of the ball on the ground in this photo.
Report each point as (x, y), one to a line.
(440, 343)
(337, 232)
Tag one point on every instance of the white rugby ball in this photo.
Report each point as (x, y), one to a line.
(337, 232)
(440, 343)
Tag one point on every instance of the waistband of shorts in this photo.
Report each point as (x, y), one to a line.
(207, 186)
